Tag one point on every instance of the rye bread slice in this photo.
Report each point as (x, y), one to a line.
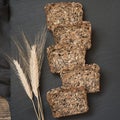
(67, 101)
(65, 57)
(63, 14)
(87, 76)
(80, 34)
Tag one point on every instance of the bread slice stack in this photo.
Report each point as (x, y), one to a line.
(66, 57)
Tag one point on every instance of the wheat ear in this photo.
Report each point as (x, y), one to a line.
(34, 70)
(23, 79)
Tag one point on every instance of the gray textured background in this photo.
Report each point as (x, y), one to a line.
(104, 15)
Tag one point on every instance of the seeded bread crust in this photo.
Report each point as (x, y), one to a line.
(80, 34)
(87, 76)
(65, 57)
(63, 14)
(67, 101)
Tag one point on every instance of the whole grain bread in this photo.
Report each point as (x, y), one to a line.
(80, 34)
(67, 101)
(87, 76)
(65, 57)
(63, 14)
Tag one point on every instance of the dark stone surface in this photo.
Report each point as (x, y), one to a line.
(29, 16)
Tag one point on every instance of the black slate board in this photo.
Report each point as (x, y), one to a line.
(104, 15)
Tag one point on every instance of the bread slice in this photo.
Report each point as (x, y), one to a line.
(65, 57)
(67, 101)
(80, 34)
(87, 76)
(63, 14)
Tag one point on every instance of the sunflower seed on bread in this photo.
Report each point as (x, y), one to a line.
(67, 101)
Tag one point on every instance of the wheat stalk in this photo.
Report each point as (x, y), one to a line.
(34, 76)
(31, 60)
(25, 83)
